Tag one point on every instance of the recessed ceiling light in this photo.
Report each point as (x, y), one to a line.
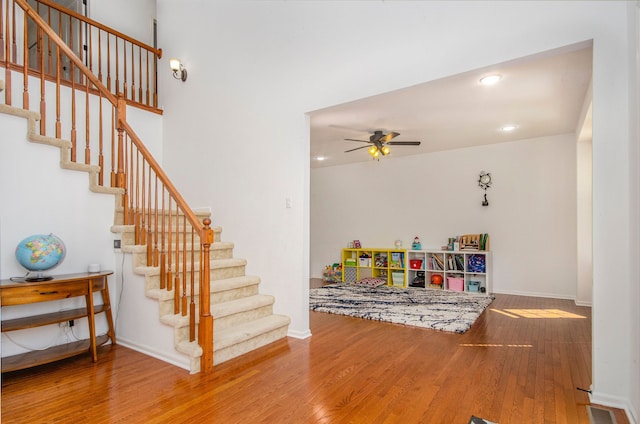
(508, 128)
(490, 79)
(320, 158)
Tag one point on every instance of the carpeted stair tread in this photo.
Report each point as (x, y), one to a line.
(239, 333)
(233, 283)
(222, 310)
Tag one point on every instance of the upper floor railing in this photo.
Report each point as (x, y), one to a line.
(76, 105)
(124, 65)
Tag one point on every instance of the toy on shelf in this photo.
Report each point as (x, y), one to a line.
(416, 244)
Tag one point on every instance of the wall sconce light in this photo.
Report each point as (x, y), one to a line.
(484, 181)
(178, 69)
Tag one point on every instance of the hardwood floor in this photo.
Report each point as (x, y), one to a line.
(506, 368)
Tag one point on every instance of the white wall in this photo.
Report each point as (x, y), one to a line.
(530, 218)
(584, 240)
(37, 196)
(133, 18)
(236, 138)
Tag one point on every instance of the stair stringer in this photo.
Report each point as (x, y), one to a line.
(64, 145)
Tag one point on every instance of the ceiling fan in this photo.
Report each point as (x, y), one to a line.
(380, 143)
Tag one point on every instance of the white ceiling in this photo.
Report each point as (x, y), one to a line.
(543, 95)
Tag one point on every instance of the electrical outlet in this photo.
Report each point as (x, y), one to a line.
(116, 244)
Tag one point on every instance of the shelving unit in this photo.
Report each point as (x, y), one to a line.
(388, 264)
(467, 270)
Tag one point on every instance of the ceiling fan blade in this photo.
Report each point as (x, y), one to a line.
(353, 139)
(389, 136)
(357, 148)
(403, 143)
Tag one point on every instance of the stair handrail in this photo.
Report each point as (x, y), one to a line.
(203, 230)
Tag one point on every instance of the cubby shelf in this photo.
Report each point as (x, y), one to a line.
(387, 264)
(468, 271)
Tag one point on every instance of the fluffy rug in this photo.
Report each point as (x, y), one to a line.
(434, 309)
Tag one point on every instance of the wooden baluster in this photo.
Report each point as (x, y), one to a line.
(176, 285)
(155, 80)
(109, 62)
(184, 266)
(58, 77)
(49, 45)
(38, 63)
(148, 98)
(7, 43)
(155, 231)
(127, 198)
(163, 256)
(205, 326)
(43, 104)
(90, 48)
(133, 74)
(100, 142)
(136, 209)
(14, 38)
(169, 246)
(87, 146)
(100, 55)
(122, 117)
(192, 304)
(143, 204)
(25, 65)
(149, 224)
(140, 73)
(80, 54)
(113, 147)
(117, 90)
(124, 74)
(2, 25)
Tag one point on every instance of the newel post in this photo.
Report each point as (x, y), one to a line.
(205, 328)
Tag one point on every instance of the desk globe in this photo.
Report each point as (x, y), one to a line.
(39, 253)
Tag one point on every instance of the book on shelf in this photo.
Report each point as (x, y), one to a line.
(397, 260)
(438, 260)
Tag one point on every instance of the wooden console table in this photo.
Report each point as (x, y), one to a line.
(60, 287)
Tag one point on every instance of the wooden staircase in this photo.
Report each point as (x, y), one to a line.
(233, 318)
(243, 318)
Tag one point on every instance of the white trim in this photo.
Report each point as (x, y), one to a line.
(173, 360)
(583, 303)
(299, 334)
(536, 294)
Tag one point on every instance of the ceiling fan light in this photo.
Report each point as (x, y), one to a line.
(373, 150)
(385, 150)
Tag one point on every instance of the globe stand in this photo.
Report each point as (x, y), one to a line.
(37, 276)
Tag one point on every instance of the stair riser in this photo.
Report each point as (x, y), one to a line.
(119, 216)
(223, 355)
(153, 282)
(128, 239)
(182, 333)
(140, 258)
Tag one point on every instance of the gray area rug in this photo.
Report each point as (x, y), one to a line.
(434, 309)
